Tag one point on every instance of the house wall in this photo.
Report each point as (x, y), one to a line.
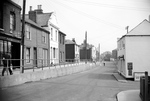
(8, 7)
(61, 48)
(138, 52)
(121, 48)
(36, 42)
(10, 41)
(70, 52)
(54, 44)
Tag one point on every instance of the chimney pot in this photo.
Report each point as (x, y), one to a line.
(39, 6)
(30, 8)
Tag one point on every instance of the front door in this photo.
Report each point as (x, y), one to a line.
(35, 56)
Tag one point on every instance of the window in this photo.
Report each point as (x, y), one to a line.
(45, 57)
(63, 38)
(51, 52)
(60, 38)
(27, 55)
(44, 37)
(1, 17)
(51, 33)
(28, 34)
(60, 56)
(54, 51)
(56, 34)
(12, 22)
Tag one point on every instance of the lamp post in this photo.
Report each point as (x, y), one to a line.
(86, 47)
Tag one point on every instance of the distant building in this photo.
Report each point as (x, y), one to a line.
(10, 30)
(87, 53)
(114, 54)
(72, 51)
(134, 50)
(62, 53)
(49, 22)
(36, 44)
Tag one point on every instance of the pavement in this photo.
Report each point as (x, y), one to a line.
(127, 95)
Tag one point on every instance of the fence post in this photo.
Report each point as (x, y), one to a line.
(146, 86)
(42, 64)
(7, 66)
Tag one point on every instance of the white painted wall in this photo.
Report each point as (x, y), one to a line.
(138, 52)
(54, 41)
(121, 44)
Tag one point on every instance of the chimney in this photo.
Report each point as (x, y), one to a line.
(30, 8)
(32, 15)
(39, 9)
(73, 39)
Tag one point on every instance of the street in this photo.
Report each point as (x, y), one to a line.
(97, 84)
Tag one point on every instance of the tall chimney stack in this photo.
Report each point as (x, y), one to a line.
(30, 8)
(32, 15)
(39, 9)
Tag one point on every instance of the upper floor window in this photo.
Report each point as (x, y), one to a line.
(28, 34)
(44, 37)
(51, 33)
(60, 38)
(56, 35)
(63, 39)
(12, 22)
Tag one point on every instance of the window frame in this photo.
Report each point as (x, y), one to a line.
(12, 22)
(28, 54)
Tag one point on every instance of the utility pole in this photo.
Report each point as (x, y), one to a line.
(23, 32)
(99, 52)
(86, 47)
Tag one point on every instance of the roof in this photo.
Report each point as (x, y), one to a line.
(69, 42)
(62, 32)
(35, 24)
(42, 19)
(142, 29)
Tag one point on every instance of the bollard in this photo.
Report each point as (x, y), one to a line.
(146, 86)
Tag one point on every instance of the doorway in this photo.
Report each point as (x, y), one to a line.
(15, 51)
(35, 56)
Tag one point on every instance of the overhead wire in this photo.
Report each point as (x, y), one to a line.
(109, 5)
(89, 16)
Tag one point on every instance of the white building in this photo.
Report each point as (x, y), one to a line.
(134, 51)
(54, 42)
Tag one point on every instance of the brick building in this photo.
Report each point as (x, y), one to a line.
(10, 30)
(36, 44)
(62, 52)
(72, 51)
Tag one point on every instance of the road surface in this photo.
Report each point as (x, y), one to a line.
(97, 84)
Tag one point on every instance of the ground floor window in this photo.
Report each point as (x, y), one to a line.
(27, 55)
(45, 57)
(5, 47)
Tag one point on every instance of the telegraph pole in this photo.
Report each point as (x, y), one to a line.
(99, 52)
(86, 47)
(23, 32)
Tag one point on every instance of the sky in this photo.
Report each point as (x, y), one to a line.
(104, 20)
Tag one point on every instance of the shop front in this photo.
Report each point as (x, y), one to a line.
(10, 44)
